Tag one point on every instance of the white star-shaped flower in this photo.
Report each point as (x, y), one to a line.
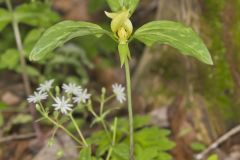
(71, 88)
(37, 97)
(62, 105)
(46, 86)
(118, 90)
(82, 97)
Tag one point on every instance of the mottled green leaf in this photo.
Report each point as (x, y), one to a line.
(60, 33)
(176, 35)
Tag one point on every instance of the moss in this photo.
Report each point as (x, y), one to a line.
(219, 85)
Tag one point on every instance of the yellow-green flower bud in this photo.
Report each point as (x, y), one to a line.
(121, 24)
(122, 35)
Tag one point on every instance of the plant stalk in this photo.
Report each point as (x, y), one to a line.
(78, 130)
(130, 112)
(62, 127)
(25, 78)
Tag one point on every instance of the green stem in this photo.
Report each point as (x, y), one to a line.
(78, 130)
(63, 128)
(105, 128)
(130, 112)
(113, 139)
(23, 65)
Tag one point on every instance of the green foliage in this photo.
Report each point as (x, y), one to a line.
(218, 81)
(9, 59)
(69, 57)
(151, 143)
(5, 18)
(36, 14)
(213, 157)
(196, 146)
(85, 154)
(31, 38)
(52, 38)
(3, 106)
(94, 6)
(176, 35)
(117, 5)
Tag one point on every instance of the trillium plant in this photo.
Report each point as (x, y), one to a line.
(122, 32)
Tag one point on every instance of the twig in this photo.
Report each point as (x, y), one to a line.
(218, 142)
(17, 137)
(25, 78)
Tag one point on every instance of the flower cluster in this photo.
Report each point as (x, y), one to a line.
(71, 94)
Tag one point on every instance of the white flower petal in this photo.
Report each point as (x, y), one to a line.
(81, 97)
(37, 97)
(45, 86)
(72, 88)
(62, 105)
(118, 90)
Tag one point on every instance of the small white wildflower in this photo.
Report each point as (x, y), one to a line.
(37, 97)
(81, 97)
(71, 88)
(46, 86)
(118, 90)
(62, 105)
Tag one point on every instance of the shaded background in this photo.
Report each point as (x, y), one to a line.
(197, 102)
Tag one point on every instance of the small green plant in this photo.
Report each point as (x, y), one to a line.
(112, 142)
(164, 32)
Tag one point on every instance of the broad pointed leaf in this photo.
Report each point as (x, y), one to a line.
(60, 33)
(5, 18)
(176, 35)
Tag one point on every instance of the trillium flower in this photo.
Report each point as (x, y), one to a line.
(37, 97)
(72, 88)
(62, 105)
(121, 24)
(81, 97)
(46, 86)
(118, 90)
